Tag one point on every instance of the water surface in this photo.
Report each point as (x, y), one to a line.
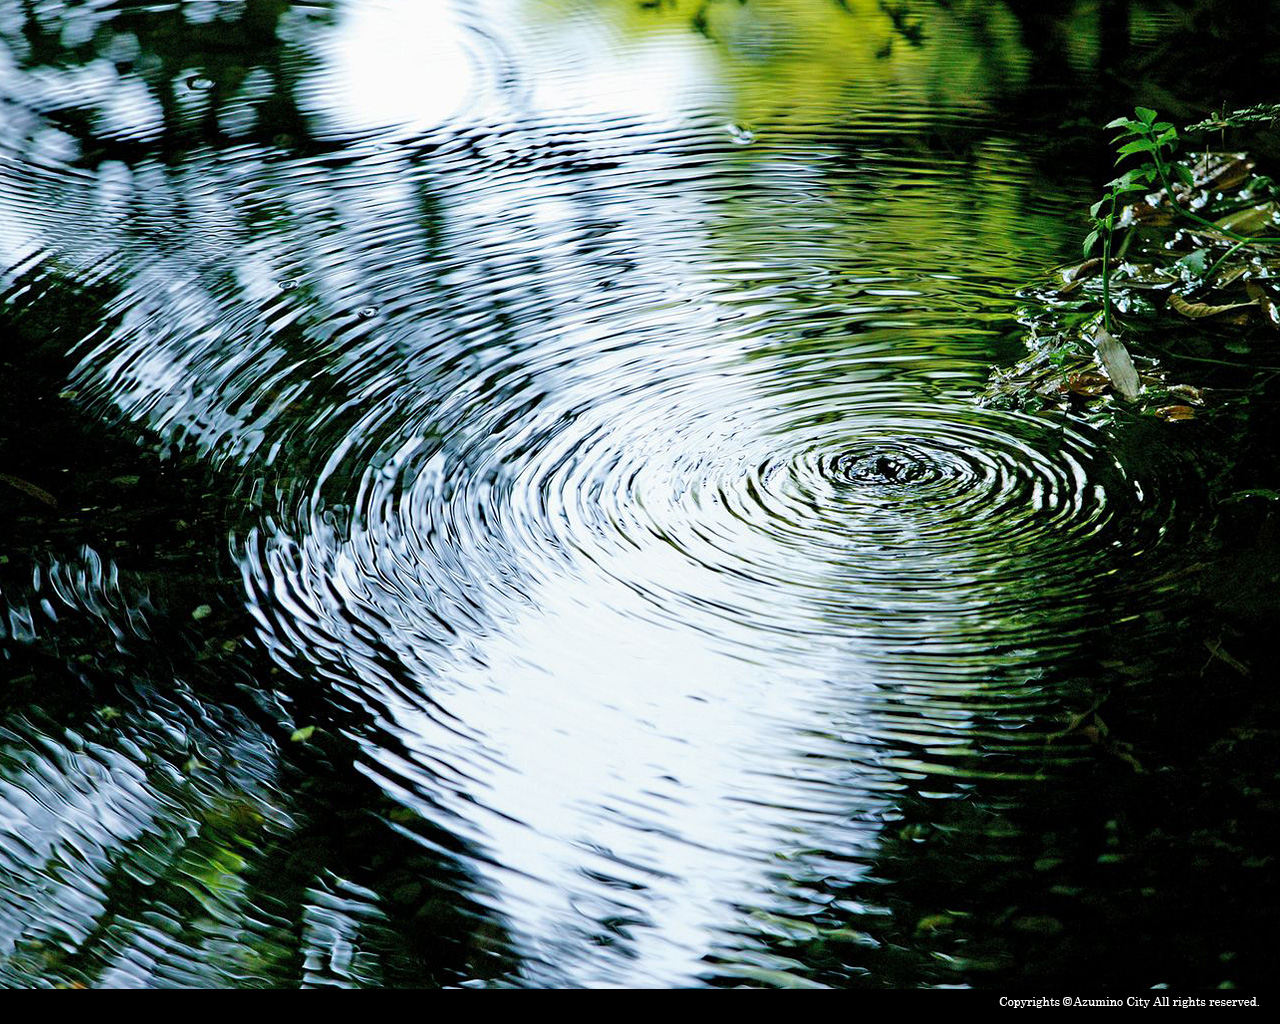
(573, 408)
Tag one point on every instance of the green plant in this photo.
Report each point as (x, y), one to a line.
(1263, 113)
(1154, 143)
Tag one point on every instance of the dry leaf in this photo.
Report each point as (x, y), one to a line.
(1081, 271)
(39, 493)
(1190, 395)
(1216, 650)
(1231, 275)
(1117, 363)
(1221, 172)
(1089, 385)
(1199, 310)
(1251, 220)
(1263, 298)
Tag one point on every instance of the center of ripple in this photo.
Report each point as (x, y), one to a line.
(886, 467)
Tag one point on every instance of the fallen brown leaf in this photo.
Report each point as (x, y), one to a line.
(1199, 310)
(1265, 302)
(39, 493)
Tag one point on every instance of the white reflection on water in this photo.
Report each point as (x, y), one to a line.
(394, 63)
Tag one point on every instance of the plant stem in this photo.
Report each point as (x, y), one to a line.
(1208, 274)
(1106, 266)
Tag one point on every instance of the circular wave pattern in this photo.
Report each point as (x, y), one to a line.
(756, 523)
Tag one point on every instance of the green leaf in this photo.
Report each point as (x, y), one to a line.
(1133, 178)
(1096, 208)
(1118, 139)
(1090, 240)
(1184, 174)
(1125, 122)
(1145, 114)
(1136, 146)
(303, 734)
(1194, 264)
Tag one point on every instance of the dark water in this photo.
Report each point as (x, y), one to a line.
(568, 410)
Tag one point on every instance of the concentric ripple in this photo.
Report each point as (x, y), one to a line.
(759, 521)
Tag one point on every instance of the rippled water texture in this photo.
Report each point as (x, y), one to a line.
(590, 391)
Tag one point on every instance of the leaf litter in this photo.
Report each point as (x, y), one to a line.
(1168, 277)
